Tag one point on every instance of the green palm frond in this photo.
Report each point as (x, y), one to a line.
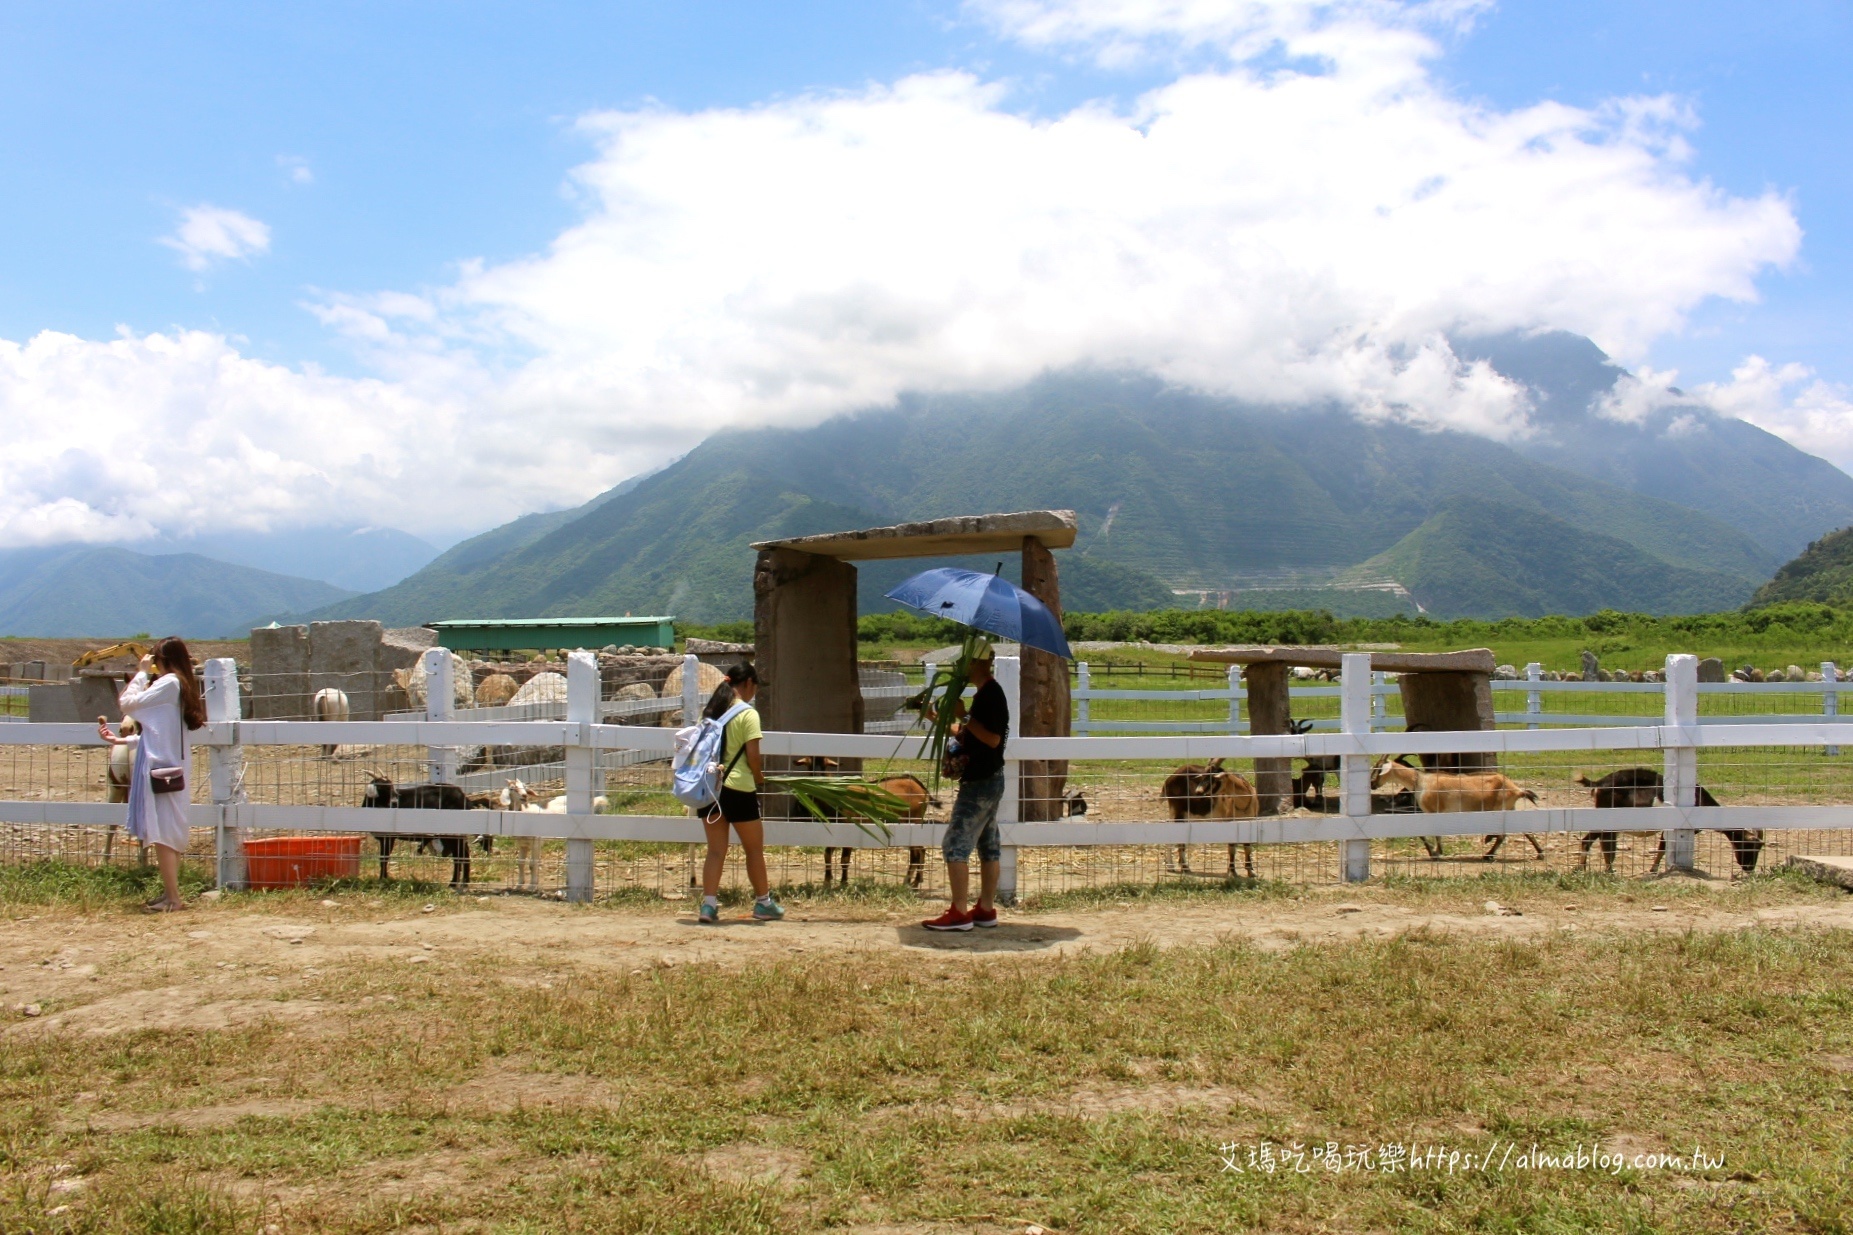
(845, 799)
(940, 694)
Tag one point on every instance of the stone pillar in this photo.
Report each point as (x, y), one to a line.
(346, 656)
(1451, 701)
(804, 617)
(1270, 710)
(280, 673)
(1046, 705)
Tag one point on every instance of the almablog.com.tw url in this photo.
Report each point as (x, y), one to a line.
(1270, 1157)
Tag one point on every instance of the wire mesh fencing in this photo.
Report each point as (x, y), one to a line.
(632, 779)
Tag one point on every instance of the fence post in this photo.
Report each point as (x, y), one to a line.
(582, 691)
(1830, 697)
(227, 762)
(1379, 714)
(1084, 683)
(1355, 682)
(1009, 672)
(691, 688)
(1682, 761)
(440, 704)
(1534, 702)
(1235, 698)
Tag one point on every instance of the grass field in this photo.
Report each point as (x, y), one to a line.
(393, 1068)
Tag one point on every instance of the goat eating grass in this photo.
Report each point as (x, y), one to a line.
(1638, 788)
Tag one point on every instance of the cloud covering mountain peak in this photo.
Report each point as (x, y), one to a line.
(1303, 218)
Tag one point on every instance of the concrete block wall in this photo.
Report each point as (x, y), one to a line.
(289, 664)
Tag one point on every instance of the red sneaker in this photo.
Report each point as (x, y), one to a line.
(983, 917)
(951, 920)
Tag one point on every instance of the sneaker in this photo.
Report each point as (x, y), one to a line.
(710, 915)
(768, 911)
(983, 917)
(951, 920)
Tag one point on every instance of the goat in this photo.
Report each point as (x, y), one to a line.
(514, 797)
(1318, 767)
(557, 806)
(330, 704)
(1208, 792)
(121, 768)
(1459, 764)
(1641, 787)
(1441, 793)
(909, 788)
(382, 794)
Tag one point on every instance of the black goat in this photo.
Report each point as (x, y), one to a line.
(1627, 788)
(382, 794)
(1318, 767)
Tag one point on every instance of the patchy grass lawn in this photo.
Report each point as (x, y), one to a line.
(907, 1091)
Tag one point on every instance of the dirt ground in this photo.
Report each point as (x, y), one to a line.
(215, 967)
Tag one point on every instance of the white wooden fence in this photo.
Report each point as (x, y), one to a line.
(1676, 737)
(1532, 685)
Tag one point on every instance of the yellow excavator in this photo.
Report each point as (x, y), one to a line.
(129, 650)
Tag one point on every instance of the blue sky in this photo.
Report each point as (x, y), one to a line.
(385, 146)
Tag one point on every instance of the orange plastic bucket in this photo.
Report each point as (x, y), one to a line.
(291, 861)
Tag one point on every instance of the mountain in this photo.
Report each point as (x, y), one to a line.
(1173, 490)
(1823, 572)
(354, 559)
(1474, 558)
(1680, 452)
(105, 592)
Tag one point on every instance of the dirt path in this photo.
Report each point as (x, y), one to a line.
(215, 967)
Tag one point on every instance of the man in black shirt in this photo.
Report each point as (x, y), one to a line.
(981, 738)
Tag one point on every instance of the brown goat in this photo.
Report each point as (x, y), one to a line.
(1446, 793)
(909, 788)
(1207, 792)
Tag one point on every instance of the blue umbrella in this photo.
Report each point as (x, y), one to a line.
(989, 603)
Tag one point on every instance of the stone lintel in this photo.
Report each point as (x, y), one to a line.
(1001, 533)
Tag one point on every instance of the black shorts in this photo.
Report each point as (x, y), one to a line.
(737, 806)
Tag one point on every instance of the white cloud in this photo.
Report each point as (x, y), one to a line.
(209, 234)
(296, 169)
(1791, 402)
(1300, 216)
(1638, 395)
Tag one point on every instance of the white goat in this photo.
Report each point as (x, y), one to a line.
(121, 769)
(517, 796)
(527, 848)
(330, 704)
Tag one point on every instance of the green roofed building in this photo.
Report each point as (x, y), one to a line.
(509, 634)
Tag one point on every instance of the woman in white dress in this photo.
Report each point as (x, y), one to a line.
(165, 709)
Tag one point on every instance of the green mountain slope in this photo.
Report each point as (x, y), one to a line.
(1823, 572)
(72, 591)
(1682, 452)
(1475, 558)
(1171, 489)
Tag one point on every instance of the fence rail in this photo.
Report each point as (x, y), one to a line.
(595, 756)
(1533, 686)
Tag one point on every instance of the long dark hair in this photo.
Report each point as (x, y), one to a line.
(171, 656)
(725, 694)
